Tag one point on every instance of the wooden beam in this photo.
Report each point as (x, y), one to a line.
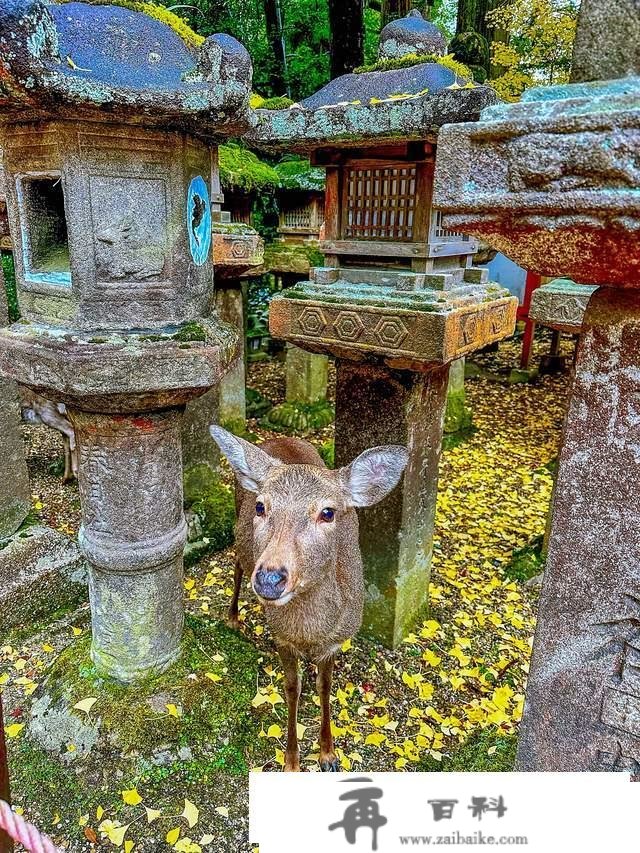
(374, 248)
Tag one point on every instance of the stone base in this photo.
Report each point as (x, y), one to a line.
(306, 376)
(41, 571)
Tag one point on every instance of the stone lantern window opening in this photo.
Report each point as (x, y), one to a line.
(43, 223)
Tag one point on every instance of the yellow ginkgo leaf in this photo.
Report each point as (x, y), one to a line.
(274, 731)
(190, 813)
(86, 704)
(223, 810)
(152, 814)
(173, 710)
(14, 729)
(206, 839)
(131, 797)
(116, 834)
(173, 835)
(46, 647)
(99, 812)
(76, 631)
(212, 676)
(128, 846)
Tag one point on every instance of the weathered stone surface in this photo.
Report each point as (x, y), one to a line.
(15, 492)
(561, 305)
(408, 329)
(411, 35)
(607, 40)
(233, 405)
(551, 181)
(303, 128)
(377, 406)
(306, 376)
(133, 534)
(41, 571)
(170, 81)
(458, 416)
(583, 699)
(237, 249)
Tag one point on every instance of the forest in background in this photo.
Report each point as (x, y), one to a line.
(299, 45)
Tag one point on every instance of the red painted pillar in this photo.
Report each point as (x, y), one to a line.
(533, 280)
(6, 845)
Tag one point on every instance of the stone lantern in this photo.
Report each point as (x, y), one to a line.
(106, 120)
(554, 182)
(397, 299)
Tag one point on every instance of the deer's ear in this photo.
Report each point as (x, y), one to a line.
(373, 474)
(250, 464)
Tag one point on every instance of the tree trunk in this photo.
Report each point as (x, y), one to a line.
(392, 9)
(275, 36)
(346, 18)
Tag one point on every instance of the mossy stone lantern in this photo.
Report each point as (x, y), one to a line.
(106, 122)
(397, 300)
(554, 183)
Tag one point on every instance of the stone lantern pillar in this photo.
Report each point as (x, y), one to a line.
(554, 183)
(397, 300)
(108, 194)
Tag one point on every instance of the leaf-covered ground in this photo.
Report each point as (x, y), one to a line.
(450, 697)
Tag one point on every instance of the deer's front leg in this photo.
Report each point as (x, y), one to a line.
(232, 617)
(328, 759)
(292, 686)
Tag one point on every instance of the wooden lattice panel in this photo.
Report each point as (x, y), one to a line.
(380, 203)
(298, 218)
(439, 234)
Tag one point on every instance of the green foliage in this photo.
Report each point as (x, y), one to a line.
(474, 757)
(257, 404)
(10, 284)
(296, 173)
(299, 417)
(242, 169)
(527, 562)
(411, 59)
(328, 452)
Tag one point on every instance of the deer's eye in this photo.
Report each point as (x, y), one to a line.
(260, 510)
(327, 514)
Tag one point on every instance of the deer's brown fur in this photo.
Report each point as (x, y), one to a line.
(320, 605)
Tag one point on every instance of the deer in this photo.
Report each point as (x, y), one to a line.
(38, 410)
(297, 539)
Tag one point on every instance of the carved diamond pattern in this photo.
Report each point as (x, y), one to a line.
(312, 321)
(348, 326)
(391, 332)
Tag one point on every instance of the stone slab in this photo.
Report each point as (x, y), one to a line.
(410, 329)
(41, 570)
(552, 181)
(561, 305)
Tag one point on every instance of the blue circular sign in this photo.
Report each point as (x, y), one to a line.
(199, 220)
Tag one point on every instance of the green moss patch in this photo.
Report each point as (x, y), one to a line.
(213, 502)
(241, 169)
(411, 59)
(526, 562)
(296, 173)
(301, 418)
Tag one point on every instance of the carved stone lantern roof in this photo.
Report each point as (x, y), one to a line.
(561, 305)
(110, 63)
(411, 35)
(378, 106)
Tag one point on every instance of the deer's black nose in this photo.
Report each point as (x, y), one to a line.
(270, 583)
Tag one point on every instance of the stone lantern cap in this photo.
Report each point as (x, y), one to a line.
(411, 35)
(382, 105)
(395, 317)
(553, 181)
(237, 248)
(111, 63)
(561, 305)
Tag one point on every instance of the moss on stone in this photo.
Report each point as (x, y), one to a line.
(213, 502)
(296, 258)
(296, 173)
(279, 102)
(458, 416)
(257, 404)
(299, 417)
(243, 170)
(190, 332)
(411, 59)
(527, 562)
(10, 285)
